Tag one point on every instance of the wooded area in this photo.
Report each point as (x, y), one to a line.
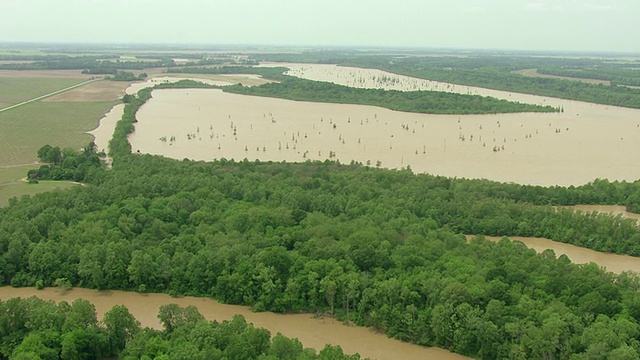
(36, 329)
(374, 247)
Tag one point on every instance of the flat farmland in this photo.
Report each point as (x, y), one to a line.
(94, 91)
(59, 120)
(14, 90)
(25, 129)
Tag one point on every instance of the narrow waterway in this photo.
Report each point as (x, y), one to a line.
(312, 332)
(579, 255)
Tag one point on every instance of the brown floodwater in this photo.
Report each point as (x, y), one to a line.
(539, 149)
(156, 80)
(607, 209)
(104, 132)
(579, 255)
(312, 332)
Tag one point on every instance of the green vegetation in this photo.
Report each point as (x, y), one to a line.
(374, 247)
(126, 76)
(369, 246)
(14, 90)
(65, 164)
(38, 329)
(432, 102)
(25, 129)
(616, 75)
(88, 64)
(492, 72)
(108, 63)
(18, 189)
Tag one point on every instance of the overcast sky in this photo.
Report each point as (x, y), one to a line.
(555, 25)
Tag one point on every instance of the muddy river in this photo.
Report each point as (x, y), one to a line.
(579, 255)
(585, 142)
(312, 332)
(608, 209)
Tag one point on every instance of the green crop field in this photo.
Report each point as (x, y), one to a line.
(14, 90)
(25, 129)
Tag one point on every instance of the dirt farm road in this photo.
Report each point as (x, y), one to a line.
(50, 94)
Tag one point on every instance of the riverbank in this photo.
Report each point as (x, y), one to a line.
(312, 332)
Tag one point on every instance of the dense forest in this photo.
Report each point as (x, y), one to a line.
(37, 329)
(431, 102)
(496, 72)
(374, 247)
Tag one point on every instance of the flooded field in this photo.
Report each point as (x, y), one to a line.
(541, 149)
(608, 209)
(312, 332)
(103, 133)
(579, 255)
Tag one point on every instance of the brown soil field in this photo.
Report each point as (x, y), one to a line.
(95, 91)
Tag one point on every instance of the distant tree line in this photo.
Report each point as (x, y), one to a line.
(120, 75)
(432, 102)
(617, 76)
(496, 72)
(89, 64)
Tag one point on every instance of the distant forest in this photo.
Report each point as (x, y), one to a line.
(496, 72)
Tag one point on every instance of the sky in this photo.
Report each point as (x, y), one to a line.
(538, 25)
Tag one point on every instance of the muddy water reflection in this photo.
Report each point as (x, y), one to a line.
(314, 333)
(613, 262)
